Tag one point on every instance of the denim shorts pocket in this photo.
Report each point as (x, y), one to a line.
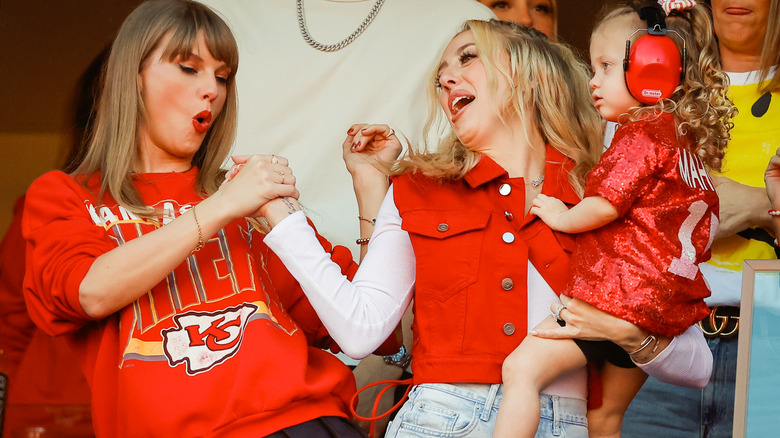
(447, 247)
(438, 414)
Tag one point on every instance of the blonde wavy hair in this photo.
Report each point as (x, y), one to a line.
(699, 103)
(549, 86)
(770, 49)
(113, 143)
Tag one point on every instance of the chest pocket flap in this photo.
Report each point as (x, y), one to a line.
(447, 247)
(444, 224)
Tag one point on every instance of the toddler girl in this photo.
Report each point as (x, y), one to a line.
(649, 213)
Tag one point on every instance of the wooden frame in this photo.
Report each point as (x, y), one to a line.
(751, 420)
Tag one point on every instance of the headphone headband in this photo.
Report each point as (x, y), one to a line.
(655, 17)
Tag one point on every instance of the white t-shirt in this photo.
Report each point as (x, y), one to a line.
(298, 102)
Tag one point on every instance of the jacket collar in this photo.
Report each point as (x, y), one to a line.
(556, 175)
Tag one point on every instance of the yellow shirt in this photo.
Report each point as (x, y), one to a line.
(754, 139)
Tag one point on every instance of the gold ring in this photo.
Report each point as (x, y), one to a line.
(282, 174)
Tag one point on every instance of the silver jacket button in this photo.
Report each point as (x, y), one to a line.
(508, 237)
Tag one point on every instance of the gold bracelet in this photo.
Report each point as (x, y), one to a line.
(646, 358)
(363, 241)
(370, 221)
(645, 342)
(200, 231)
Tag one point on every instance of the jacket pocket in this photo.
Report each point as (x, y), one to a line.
(447, 247)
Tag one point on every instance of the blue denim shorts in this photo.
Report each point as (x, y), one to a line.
(470, 409)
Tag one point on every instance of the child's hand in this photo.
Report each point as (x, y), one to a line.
(550, 210)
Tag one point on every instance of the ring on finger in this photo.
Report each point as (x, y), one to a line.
(274, 160)
(282, 174)
(558, 310)
(390, 134)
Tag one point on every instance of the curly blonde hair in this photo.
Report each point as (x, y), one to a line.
(699, 103)
(550, 89)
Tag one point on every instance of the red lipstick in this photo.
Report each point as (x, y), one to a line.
(202, 121)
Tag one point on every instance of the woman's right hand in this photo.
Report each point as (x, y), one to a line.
(253, 181)
(772, 179)
(586, 322)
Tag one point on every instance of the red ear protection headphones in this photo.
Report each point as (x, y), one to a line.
(654, 66)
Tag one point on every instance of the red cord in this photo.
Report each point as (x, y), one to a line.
(374, 417)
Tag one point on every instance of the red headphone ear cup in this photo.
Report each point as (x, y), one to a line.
(654, 67)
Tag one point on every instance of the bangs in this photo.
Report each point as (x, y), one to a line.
(219, 39)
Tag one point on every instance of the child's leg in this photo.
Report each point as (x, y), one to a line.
(533, 366)
(620, 385)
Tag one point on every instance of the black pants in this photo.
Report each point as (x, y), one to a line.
(322, 427)
(597, 351)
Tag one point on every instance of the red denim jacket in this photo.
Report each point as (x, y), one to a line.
(472, 245)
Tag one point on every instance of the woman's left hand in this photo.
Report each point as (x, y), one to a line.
(254, 180)
(369, 147)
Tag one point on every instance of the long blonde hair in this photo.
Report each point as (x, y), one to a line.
(699, 103)
(112, 146)
(770, 49)
(549, 86)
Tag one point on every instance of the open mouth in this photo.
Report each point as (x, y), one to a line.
(202, 121)
(460, 102)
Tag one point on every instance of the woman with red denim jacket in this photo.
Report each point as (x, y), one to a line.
(454, 234)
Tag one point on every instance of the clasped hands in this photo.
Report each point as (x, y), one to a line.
(263, 186)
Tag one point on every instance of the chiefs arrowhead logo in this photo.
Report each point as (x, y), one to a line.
(202, 340)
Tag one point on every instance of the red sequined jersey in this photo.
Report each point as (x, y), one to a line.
(643, 266)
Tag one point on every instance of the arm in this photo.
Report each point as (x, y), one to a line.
(741, 207)
(358, 330)
(137, 266)
(592, 212)
(360, 314)
(368, 151)
(684, 360)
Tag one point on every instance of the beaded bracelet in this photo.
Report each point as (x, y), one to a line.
(370, 221)
(774, 212)
(363, 241)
